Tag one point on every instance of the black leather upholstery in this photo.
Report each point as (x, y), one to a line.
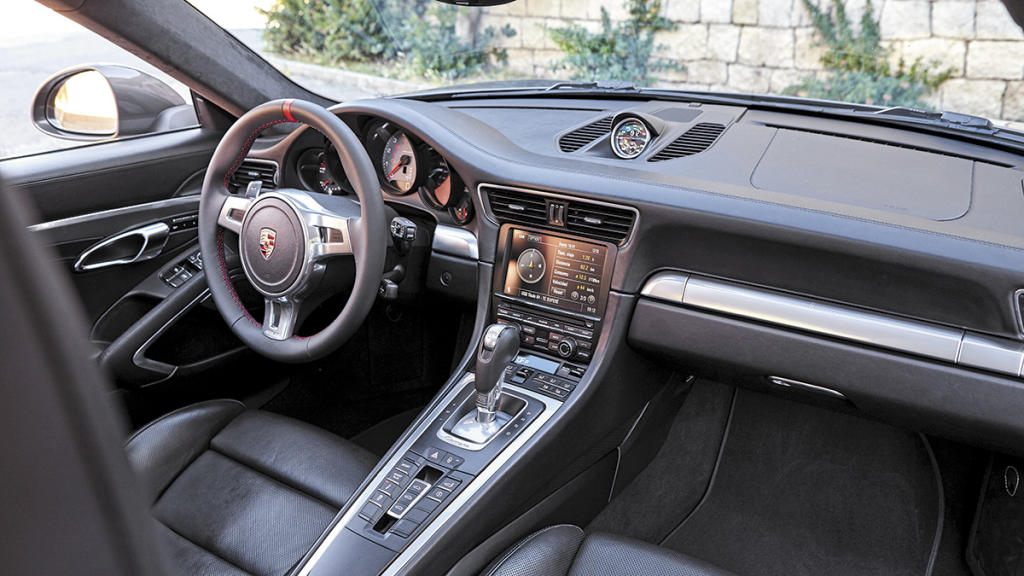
(240, 491)
(566, 551)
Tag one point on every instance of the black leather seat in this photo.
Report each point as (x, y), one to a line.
(567, 551)
(240, 491)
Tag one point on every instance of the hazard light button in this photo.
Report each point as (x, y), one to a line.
(435, 455)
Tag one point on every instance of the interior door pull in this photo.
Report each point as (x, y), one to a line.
(128, 247)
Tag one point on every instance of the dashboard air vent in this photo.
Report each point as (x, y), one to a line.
(252, 169)
(598, 221)
(580, 137)
(696, 139)
(606, 223)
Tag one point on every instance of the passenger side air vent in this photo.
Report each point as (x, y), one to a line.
(589, 219)
(252, 169)
(580, 137)
(696, 139)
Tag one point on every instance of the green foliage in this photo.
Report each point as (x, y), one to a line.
(857, 65)
(327, 31)
(624, 51)
(435, 50)
(418, 37)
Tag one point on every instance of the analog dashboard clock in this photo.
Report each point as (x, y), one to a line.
(630, 138)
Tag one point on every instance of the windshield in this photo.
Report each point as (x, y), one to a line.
(956, 55)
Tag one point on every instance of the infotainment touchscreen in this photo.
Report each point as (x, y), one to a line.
(560, 272)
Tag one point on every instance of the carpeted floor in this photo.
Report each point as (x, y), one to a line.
(796, 490)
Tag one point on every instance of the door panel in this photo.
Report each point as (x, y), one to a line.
(89, 195)
(110, 175)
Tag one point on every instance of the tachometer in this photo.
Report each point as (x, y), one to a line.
(399, 163)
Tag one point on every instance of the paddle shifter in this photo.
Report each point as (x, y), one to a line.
(499, 347)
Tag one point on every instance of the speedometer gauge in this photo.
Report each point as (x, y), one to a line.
(630, 138)
(399, 162)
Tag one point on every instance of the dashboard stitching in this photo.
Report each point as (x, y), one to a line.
(339, 110)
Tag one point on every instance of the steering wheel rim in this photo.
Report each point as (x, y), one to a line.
(313, 229)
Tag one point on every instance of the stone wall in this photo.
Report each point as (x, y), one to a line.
(766, 45)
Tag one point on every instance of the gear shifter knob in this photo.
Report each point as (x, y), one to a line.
(499, 347)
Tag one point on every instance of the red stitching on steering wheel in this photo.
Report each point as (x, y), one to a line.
(220, 234)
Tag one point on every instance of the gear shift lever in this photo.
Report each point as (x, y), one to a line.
(500, 345)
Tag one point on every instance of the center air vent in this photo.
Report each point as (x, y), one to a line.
(696, 139)
(580, 137)
(252, 169)
(598, 221)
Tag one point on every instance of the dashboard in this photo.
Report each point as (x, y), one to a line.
(578, 210)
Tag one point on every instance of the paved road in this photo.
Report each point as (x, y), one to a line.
(24, 67)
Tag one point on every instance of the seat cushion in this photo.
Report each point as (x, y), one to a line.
(567, 551)
(242, 491)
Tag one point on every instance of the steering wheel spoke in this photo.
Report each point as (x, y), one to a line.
(333, 238)
(280, 317)
(232, 212)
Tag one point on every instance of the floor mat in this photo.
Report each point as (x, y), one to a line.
(671, 486)
(800, 490)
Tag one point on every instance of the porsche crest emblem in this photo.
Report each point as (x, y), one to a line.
(268, 237)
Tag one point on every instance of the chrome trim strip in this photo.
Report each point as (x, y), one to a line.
(995, 354)
(1017, 310)
(831, 320)
(413, 548)
(486, 207)
(790, 383)
(474, 446)
(455, 242)
(952, 345)
(154, 238)
(74, 220)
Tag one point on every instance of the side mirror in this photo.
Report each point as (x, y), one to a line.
(106, 101)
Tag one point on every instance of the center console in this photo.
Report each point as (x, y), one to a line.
(548, 297)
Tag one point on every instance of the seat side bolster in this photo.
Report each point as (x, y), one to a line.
(607, 554)
(159, 451)
(548, 552)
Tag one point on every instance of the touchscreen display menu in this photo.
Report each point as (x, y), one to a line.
(556, 271)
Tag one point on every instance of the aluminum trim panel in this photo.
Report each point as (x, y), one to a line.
(874, 329)
(666, 286)
(994, 354)
(455, 242)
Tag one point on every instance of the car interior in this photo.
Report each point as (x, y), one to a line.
(465, 332)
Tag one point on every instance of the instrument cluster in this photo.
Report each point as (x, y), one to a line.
(405, 166)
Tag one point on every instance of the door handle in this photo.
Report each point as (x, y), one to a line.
(136, 245)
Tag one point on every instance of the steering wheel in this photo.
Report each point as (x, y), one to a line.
(288, 237)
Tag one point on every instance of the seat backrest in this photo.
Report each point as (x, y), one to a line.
(68, 499)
